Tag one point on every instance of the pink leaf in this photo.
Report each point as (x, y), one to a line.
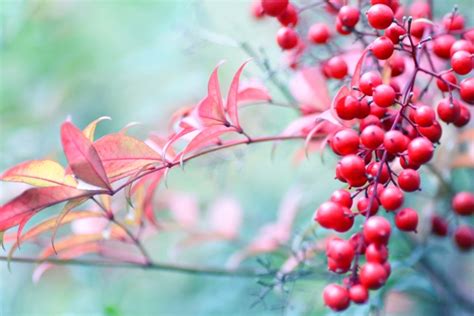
(309, 87)
(82, 156)
(31, 201)
(204, 138)
(124, 155)
(252, 91)
(358, 68)
(211, 108)
(232, 97)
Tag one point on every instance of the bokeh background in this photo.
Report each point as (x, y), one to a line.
(139, 61)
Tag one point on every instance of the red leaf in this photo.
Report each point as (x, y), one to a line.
(123, 155)
(211, 108)
(21, 208)
(83, 157)
(232, 97)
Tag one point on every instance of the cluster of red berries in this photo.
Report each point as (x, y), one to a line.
(392, 134)
(463, 235)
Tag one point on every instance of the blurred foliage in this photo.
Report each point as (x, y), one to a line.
(139, 61)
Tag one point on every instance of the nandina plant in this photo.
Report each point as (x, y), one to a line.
(400, 77)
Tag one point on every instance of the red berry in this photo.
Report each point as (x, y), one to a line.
(453, 21)
(393, 32)
(373, 170)
(419, 9)
(382, 48)
(397, 65)
(372, 136)
(467, 90)
(406, 163)
(342, 251)
(363, 205)
(418, 28)
(358, 294)
(369, 121)
(337, 67)
(328, 214)
(319, 33)
(395, 142)
(358, 242)
(346, 107)
(448, 111)
(446, 77)
(363, 110)
(433, 132)
(274, 7)
(352, 167)
(345, 142)
(406, 219)
(377, 230)
(461, 45)
(289, 17)
(336, 297)
(424, 116)
(464, 237)
(420, 150)
(384, 95)
(463, 203)
(342, 197)
(349, 16)
(373, 275)
(376, 253)
(409, 180)
(380, 16)
(341, 28)
(442, 45)
(462, 62)
(287, 38)
(464, 116)
(391, 198)
(257, 9)
(368, 81)
(439, 226)
(346, 222)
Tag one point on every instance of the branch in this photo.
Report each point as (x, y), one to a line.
(210, 271)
